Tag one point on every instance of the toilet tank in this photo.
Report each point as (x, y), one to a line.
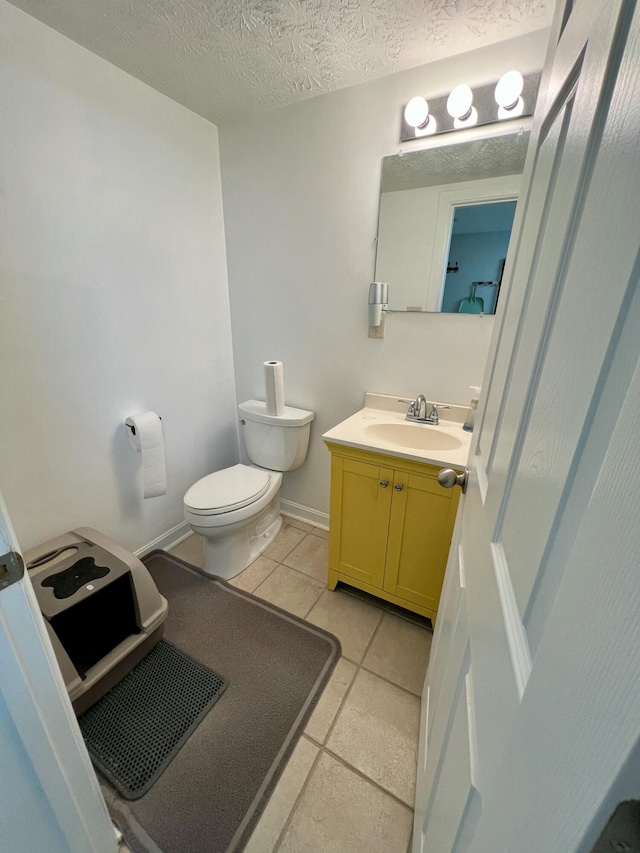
(276, 442)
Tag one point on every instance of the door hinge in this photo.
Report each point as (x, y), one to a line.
(11, 568)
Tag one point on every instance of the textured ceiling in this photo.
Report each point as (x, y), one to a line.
(466, 161)
(227, 59)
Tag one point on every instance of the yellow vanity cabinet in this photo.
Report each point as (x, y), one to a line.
(390, 527)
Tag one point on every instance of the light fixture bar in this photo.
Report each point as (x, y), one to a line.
(485, 109)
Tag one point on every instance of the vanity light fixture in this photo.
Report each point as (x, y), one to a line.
(464, 107)
(507, 94)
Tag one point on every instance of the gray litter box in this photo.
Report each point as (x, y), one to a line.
(102, 610)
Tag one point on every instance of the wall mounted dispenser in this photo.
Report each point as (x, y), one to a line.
(378, 301)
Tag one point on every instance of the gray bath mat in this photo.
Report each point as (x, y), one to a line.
(135, 730)
(210, 797)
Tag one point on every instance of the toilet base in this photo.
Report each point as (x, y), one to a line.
(229, 554)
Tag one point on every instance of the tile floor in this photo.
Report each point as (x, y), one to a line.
(349, 784)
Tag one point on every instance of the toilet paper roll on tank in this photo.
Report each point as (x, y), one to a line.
(145, 435)
(274, 387)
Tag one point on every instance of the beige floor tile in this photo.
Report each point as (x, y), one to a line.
(377, 733)
(400, 652)
(294, 522)
(311, 556)
(330, 701)
(254, 574)
(340, 812)
(283, 799)
(351, 620)
(284, 542)
(318, 531)
(294, 592)
(191, 550)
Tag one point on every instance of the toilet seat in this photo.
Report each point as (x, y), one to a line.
(227, 490)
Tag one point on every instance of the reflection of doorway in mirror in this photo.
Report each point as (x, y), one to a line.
(478, 246)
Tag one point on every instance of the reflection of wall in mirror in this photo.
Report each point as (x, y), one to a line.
(479, 257)
(405, 243)
(407, 235)
(479, 242)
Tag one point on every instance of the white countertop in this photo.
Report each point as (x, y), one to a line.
(385, 409)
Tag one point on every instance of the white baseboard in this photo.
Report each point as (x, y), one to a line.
(305, 513)
(168, 540)
(181, 531)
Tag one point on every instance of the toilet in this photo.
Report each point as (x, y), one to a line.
(237, 509)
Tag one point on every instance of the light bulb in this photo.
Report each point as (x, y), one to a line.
(459, 102)
(511, 112)
(508, 91)
(416, 113)
(469, 121)
(429, 129)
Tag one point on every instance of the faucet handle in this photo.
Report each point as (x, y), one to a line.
(433, 414)
(411, 404)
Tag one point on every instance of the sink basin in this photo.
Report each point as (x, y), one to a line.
(414, 436)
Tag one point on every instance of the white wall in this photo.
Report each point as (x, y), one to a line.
(301, 188)
(114, 290)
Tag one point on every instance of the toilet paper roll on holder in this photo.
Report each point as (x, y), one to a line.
(132, 426)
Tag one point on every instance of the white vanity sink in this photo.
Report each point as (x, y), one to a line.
(381, 426)
(414, 436)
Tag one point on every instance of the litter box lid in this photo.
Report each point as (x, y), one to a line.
(226, 490)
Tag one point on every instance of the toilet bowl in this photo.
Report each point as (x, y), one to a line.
(237, 509)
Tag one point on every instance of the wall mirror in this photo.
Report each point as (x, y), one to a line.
(444, 225)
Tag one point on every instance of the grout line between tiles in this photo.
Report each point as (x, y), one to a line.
(252, 591)
(340, 760)
(367, 778)
(303, 788)
(392, 683)
(353, 680)
(295, 544)
(289, 568)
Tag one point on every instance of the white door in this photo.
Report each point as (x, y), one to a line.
(531, 707)
(50, 799)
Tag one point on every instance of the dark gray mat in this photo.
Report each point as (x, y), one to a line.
(166, 686)
(210, 797)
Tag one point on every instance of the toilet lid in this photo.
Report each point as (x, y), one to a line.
(231, 488)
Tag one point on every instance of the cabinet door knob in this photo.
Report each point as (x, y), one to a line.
(384, 483)
(398, 487)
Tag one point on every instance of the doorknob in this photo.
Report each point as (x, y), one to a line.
(384, 483)
(448, 478)
(398, 487)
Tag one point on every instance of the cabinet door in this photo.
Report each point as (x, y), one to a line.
(360, 506)
(422, 517)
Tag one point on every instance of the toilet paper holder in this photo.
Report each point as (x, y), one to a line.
(132, 427)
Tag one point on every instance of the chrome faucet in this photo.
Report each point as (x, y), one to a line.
(417, 411)
(419, 405)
